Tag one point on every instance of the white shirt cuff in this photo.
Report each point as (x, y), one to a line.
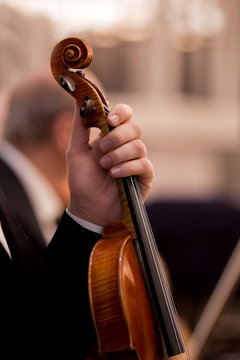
(86, 224)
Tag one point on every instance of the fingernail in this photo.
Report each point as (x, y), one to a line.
(115, 119)
(106, 145)
(116, 171)
(106, 162)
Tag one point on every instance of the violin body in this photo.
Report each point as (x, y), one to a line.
(129, 296)
(118, 299)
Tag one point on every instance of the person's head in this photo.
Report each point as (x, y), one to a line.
(39, 112)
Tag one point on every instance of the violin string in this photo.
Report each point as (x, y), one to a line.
(170, 303)
(162, 273)
(155, 258)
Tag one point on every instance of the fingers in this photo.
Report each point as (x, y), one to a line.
(123, 133)
(122, 144)
(120, 113)
(142, 168)
(132, 150)
(139, 167)
(124, 152)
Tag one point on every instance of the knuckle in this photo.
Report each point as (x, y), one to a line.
(148, 167)
(137, 128)
(127, 110)
(141, 148)
(126, 169)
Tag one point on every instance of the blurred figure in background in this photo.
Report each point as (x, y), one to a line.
(32, 155)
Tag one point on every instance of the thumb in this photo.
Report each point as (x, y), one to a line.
(80, 133)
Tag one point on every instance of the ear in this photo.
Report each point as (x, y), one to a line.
(61, 131)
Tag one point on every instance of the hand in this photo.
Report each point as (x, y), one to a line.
(92, 166)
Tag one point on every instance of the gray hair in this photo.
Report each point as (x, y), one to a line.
(33, 106)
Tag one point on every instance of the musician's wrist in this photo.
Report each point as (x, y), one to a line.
(86, 214)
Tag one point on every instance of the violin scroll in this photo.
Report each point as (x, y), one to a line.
(74, 52)
(68, 56)
(77, 56)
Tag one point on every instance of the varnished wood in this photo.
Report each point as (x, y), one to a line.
(61, 65)
(119, 300)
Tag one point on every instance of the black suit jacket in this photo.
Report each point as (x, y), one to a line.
(20, 204)
(48, 315)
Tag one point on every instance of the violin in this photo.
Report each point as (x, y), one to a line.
(131, 303)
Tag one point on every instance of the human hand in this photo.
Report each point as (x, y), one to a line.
(93, 166)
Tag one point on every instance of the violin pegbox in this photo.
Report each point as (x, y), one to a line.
(69, 56)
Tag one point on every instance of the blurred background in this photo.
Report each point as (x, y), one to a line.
(177, 63)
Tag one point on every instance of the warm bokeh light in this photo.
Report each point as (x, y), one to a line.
(194, 23)
(176, 62)
(93, 15)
